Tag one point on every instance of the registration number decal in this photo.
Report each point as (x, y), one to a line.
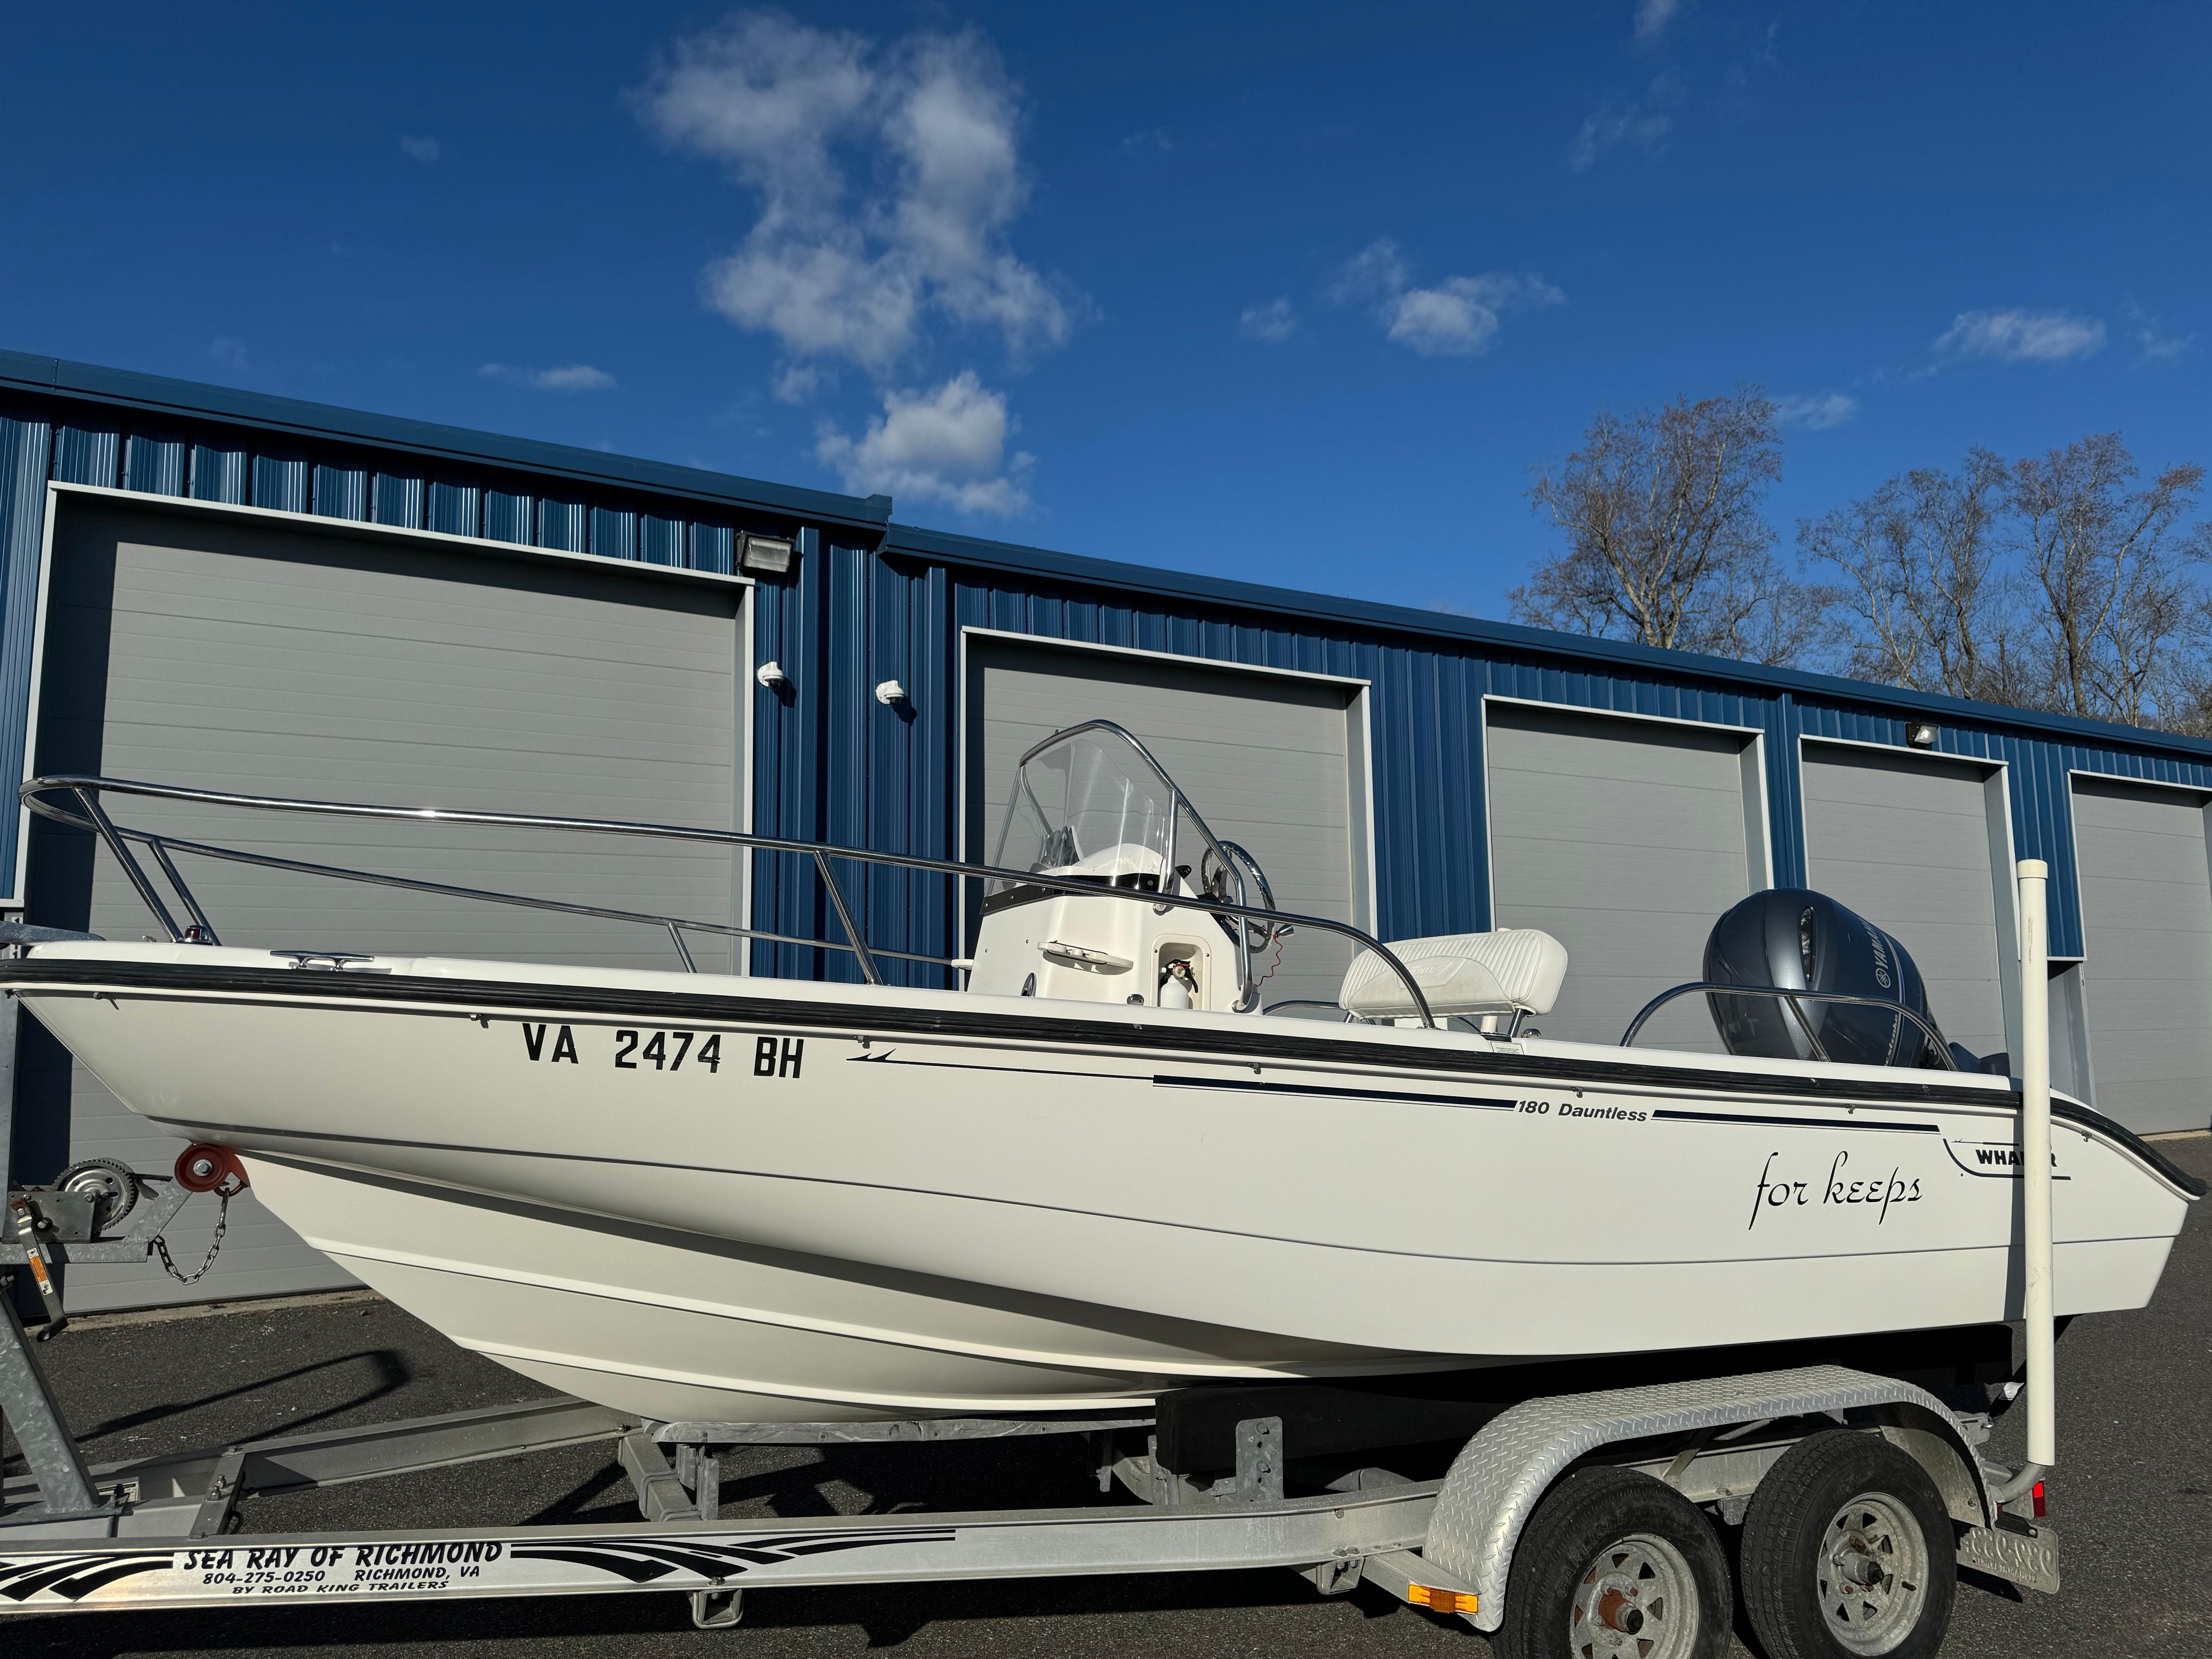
(639, 1047)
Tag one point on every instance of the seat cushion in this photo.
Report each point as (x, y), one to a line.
(1494, 972)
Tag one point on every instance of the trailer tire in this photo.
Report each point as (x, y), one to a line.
(1614, 1564)
(1848, 1552)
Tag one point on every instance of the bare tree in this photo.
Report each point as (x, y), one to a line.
(1665, 543)
(2184, 684)
(1929, 602)
(2055, 583)
(1756, 612)
(2116, 577)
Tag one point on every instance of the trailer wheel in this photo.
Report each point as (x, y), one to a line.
(1848, 1552)
(1614, 1564)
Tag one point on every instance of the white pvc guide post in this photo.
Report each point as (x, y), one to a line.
(2035, 1159)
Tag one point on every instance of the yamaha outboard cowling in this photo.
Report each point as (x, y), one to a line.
(1800, 940)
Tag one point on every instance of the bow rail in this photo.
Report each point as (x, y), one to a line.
(76, 800)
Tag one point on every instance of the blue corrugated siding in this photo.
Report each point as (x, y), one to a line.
(86, 456)
(831, 763)
(560, 524)
(660, 541)
(788, 735)
(849, 761)
(280, 483)
(25, 454)
(155, 465)
(509, 518)
(222, 462)
(340, 493)
(453, 508)
(219, 475)
(712, 546)
(396, 500)
(614, 533)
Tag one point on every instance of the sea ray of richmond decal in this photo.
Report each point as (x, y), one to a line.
(305, 1572)
(72, 1577)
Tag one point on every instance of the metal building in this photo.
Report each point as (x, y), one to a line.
(253, 594)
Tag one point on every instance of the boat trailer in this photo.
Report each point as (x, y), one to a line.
(1557, 1508)
(155, 1532)
(1212, 1470)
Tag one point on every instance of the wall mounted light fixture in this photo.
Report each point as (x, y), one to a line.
(763, 555)
(1920, 734)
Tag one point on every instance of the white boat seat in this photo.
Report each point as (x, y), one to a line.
(1512, 969)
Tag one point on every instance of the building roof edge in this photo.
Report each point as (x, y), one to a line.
(161, 395)
(954, 547)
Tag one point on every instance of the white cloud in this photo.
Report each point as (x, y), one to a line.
(795, 383)
(1652, 17)
(419, 150)
(1376, 271)
(948, 445)
(1645, 125)
(1457, 318)
(1609, 128)
(1273, 322)
(2016, 335)
(568, 377)
(887, 179)
(2153, 344)
(1817, 413)
(1450, 321)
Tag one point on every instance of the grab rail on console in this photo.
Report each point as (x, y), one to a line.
(89, 814)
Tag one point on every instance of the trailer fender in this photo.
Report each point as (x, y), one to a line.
(1502, 1474)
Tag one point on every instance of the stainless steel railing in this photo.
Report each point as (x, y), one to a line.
(1791, 998)
(45, 796)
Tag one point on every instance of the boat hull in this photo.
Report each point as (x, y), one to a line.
(677, 1326)
(867, 1202)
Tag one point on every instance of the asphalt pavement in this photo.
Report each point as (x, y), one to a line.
(2131, 1498)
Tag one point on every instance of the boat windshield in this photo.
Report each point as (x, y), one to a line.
(1090, 802)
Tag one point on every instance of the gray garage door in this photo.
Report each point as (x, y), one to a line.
(2147, 926)
(1906, 843)
(1271, 761)
(1625, 840)
(306, 660)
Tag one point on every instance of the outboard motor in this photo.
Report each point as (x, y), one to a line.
(1798, 939)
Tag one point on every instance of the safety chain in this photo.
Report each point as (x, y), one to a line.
(161, 1248)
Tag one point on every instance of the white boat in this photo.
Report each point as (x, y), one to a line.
(703, 1197)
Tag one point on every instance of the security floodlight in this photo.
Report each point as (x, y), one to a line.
(764, 556)
(1921, 734)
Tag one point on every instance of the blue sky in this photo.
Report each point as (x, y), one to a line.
(1295, 293)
